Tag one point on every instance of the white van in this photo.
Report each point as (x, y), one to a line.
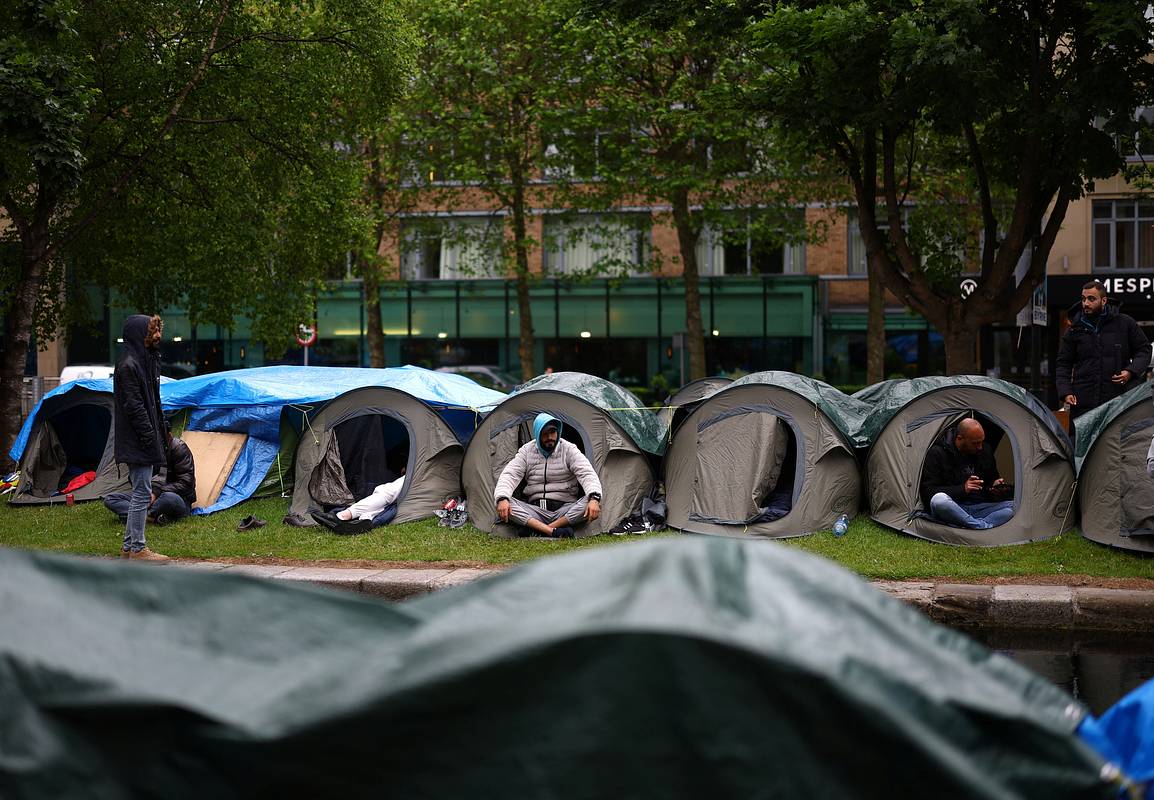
(79, 371)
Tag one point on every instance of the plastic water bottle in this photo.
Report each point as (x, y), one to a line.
(841, 526)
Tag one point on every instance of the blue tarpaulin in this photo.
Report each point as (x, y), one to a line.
(251, 401)
(1125, 735)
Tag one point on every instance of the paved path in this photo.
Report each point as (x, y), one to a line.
(956, 604)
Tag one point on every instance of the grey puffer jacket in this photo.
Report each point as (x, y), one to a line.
(565, 475)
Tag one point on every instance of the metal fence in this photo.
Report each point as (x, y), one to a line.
(35, 388)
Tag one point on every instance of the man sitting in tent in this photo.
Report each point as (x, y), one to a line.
(553, 471)
(960, 482)
(173, 487)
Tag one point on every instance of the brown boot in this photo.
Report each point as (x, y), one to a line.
(148, 555)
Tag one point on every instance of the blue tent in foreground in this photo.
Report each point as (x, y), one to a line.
(272, 405)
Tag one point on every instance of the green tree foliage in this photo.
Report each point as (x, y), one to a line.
(179, 151)
(668, 128)
(494, 77)
(965, 128)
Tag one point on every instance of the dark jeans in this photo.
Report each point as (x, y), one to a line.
(170, 504)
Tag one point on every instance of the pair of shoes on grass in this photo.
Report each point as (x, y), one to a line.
(250, 522)
(144, 554)
(345, 527)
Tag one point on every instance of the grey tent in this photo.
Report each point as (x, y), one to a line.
(363, 438)
(69, 433)
(1115, 495)
(620, 437)
(1032, 451)
(770, 455)
(678, 405)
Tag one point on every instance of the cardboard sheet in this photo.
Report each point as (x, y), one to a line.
(214, 455)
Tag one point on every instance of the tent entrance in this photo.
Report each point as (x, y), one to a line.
(363, 452)
(74, 440)
(1135, 489)
(747, 467)
(998, 437)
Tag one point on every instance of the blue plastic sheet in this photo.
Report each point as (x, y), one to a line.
(1125, 736)
(251, 401)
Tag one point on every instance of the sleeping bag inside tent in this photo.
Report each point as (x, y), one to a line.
(1032, 452)
(1115, 495)
(370, 436)
(273, 407)
(621, 438)
(770, 455)
(67, 439)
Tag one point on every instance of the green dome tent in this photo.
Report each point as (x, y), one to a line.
(1033, 453)
(771, 454)
(1115, 495)
(678, 405)
(621, 438)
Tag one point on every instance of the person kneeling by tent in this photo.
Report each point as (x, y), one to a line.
(960, 482)
(370, 512)
(552, 469)
(173, 488)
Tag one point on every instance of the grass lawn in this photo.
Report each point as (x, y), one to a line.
(868, 549)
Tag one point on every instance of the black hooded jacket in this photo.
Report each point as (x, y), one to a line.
(136, 389)
(178, 474)
(1093, 350)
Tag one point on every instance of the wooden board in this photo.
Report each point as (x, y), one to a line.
(213, 455)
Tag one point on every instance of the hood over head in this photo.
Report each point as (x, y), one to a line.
(545, 420)
(134, 334)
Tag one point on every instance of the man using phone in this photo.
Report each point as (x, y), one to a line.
(960, 482)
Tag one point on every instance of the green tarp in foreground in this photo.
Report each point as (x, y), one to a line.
(667, 668)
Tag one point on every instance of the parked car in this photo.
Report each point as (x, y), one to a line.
(76, 372)
(488, 375)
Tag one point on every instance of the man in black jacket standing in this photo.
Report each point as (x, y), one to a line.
(1101, 352)
(139, 426)
(173, 488)
(960, 482)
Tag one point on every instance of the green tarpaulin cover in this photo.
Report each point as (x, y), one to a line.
(844, 411)
(643, 426)
(668, 668)
(1094, 421)
(889, 397)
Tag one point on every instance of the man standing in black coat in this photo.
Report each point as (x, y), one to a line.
(173, 488)
(139, 426)
(1101, 352)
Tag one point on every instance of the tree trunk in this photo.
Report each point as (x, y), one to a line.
(370, 272)
(521, 266)
(961, 342)
(875, 327)
(687, 236)
(18, 323)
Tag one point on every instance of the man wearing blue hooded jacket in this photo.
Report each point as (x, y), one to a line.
(562, 490)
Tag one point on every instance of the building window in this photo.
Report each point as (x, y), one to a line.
(855, 247)
(451, 249)
(1123, 234)
(749, 246)
(588, 243)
